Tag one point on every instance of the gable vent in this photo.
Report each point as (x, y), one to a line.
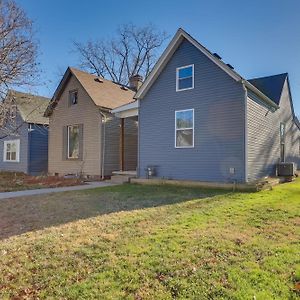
(99, 79)
(217, 56)
(230, 66)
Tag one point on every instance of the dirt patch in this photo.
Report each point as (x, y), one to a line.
(16, 181)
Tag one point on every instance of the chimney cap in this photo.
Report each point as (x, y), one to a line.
(137, 77)
(135, 81)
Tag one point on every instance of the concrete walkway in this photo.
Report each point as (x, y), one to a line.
(88, 186)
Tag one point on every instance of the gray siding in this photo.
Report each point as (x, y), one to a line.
(112, 144)
(131, 143)
(264, 138)
(219, 112)
(22, 135)
(38, 149)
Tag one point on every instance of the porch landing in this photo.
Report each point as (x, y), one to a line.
(122, 176)
(124, 173)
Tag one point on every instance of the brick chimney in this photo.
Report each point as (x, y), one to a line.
(135, 82)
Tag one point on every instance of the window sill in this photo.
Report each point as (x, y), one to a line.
(74, 159)
(185, 147)
(181, 90)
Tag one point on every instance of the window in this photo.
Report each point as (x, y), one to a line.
(73, 97)
(73, 142)
(185, 78)
(282, 142)
(184, 128)
(11, 151)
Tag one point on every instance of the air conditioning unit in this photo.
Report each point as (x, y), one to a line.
(286, 169)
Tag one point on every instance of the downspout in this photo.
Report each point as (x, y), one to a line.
(28, 148)
(246, 132)
(103, 122)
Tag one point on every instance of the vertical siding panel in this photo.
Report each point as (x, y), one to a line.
(38, 149)
(131, 141)
(112, 145)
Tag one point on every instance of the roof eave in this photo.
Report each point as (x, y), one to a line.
(52, 103)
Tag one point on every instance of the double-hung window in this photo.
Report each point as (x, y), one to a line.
(184, 128)
(73, 142)
(185, 78)
(11, 151)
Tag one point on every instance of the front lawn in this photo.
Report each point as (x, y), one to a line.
(17, 181)
(152, 242)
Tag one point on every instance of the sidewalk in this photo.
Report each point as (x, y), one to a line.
(88, 186)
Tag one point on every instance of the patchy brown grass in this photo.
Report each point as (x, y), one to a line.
(152, 242)
(16, 181)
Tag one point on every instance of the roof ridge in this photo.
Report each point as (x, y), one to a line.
(95, 75)
(28, 94)
(268, 76)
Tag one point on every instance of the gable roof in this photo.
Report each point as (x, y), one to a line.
(31, 107)
(169, 51)
(270, 85)
(105, 94)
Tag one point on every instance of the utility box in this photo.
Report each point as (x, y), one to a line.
(286, 169)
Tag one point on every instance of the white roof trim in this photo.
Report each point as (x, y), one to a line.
(129, 106)
(173, 45)
(127, 110)
(171, 48)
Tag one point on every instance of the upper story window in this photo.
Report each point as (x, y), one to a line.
(73, 142)
(11, 151)
(185, 78)
(184, 128)
(73, 97)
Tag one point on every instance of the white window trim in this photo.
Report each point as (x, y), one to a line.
(177, 78)
(17, 151)
(193, 128)
(68, 141)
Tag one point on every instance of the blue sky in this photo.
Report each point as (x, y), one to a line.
(258, 38)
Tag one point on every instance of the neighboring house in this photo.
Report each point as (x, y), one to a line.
(84, 137)
(200, 120)
(24, 137)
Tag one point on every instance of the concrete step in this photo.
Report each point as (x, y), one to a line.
(120, 178)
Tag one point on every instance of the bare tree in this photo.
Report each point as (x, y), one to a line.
(133, 51)
(18, 55)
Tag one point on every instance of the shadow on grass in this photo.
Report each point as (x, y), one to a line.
(26, 214)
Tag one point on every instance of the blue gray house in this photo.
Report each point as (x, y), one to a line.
(24, 134)
(201, 120)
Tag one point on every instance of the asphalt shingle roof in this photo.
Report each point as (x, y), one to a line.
(106, 93)
(271, 86)
(31, 107)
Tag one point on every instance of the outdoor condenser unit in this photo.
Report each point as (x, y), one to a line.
(286, 169)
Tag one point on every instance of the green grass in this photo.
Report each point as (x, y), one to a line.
(152, 242)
